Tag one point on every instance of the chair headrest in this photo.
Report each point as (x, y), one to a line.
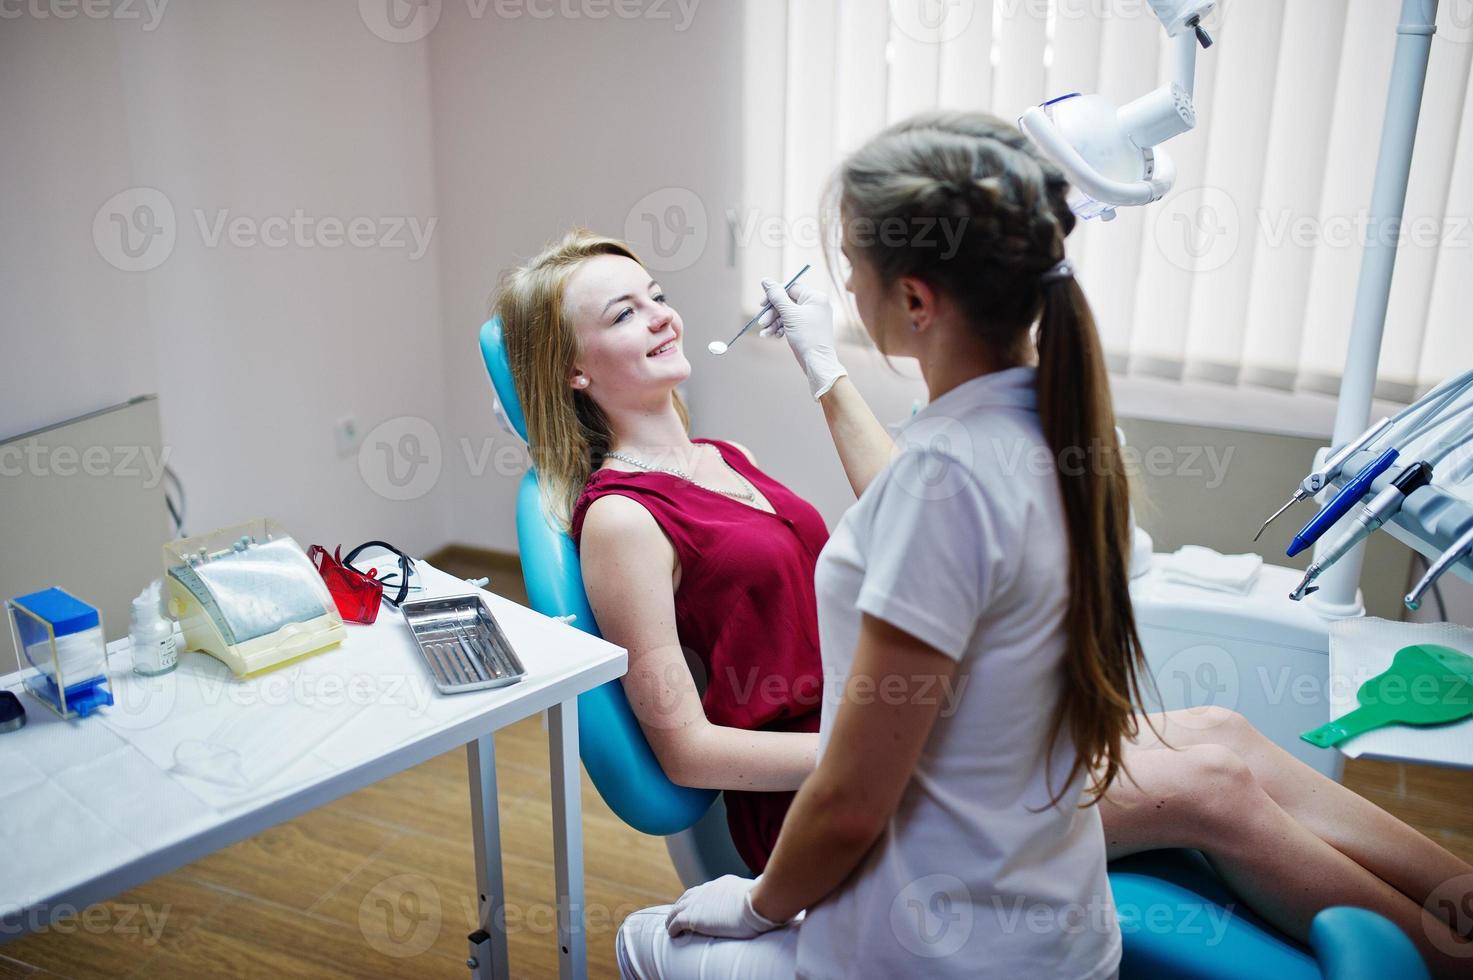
(493, 352)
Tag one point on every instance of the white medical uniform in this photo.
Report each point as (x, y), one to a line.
(960, 542)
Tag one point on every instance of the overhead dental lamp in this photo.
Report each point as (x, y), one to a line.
(1113, 157)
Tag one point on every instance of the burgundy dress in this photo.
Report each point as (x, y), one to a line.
(745, 607)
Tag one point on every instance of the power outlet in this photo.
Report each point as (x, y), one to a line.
(345, 436)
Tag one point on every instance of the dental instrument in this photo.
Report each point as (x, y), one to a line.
(1389, 501)
(1371, 517)
(718, 348)
(462, 644)
(1320, 478)
(249, 597)
(1426, 684)
(1411, 422)
(1446, 560)
(1341, 503)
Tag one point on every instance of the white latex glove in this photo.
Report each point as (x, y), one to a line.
(804, 317)
(718, 908)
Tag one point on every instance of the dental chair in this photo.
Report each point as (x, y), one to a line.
(1176, 916)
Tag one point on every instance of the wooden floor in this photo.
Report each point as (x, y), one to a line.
(382, 884)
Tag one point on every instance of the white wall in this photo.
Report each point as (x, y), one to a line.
(542, 124)
(613, 122)
(74, 333)
(248, 111)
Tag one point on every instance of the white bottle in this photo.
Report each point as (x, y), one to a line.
(152, 633)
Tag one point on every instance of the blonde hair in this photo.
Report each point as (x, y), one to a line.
(567, 433)
(1009, 210)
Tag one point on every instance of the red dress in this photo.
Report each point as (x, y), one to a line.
(745, 607)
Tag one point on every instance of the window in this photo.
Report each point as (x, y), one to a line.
(1246, 272)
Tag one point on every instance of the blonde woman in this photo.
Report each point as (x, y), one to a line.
(696, 561)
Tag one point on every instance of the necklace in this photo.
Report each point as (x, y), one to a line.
(749, 494)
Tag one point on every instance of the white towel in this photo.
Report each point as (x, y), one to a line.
(1207, 569)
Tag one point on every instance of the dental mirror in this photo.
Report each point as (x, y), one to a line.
(718, 348)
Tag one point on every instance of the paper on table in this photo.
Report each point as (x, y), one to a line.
(229, 741)
(1362, 648)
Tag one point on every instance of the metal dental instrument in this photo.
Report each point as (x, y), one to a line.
(462, 644)
(718, 348)
(1445, 561)
(1380, 510)
(1320, 478)
(472, 657)
(1412, 421)
(1341, 503)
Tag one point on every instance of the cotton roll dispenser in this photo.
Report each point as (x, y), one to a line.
(61, 637)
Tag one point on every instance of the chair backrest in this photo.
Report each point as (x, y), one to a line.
(612, 745)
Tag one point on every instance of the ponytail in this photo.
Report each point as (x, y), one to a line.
(1104, 660)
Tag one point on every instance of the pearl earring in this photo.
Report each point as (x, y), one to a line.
(914, 326)
(581, 382)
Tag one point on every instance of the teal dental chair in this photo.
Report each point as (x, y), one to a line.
(1177, 918)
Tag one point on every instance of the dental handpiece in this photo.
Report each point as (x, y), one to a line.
(1370, 519)
(718, 348)
(1320, 478)
(1340, 504)
(1445, 561)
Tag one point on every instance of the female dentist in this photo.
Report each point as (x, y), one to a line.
(980, 657)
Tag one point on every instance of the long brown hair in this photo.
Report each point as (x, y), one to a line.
(1009, 216)
(567, 433)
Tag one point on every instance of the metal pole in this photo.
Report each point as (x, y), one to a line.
(1337, 596)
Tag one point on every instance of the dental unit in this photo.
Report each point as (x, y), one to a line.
(1417, 421)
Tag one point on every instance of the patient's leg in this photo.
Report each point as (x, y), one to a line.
(1205, 796)
(1395, 852)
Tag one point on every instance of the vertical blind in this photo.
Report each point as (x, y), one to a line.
(1245, 273)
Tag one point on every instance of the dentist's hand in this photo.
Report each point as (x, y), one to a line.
(718, 908)
(804, 317)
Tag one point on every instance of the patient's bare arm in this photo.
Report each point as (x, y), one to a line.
(629, 570)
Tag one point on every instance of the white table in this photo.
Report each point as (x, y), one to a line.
(96, 806)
